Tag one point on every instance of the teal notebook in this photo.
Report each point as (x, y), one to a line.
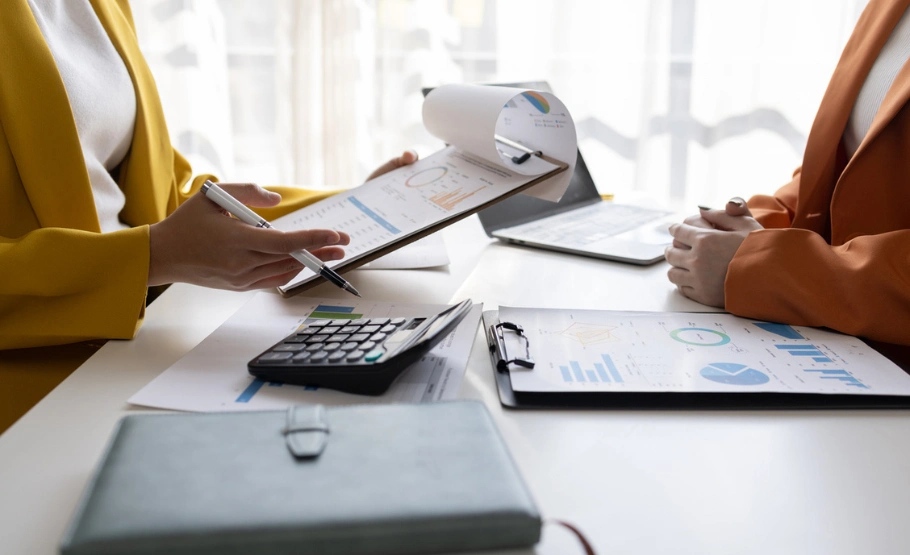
(402, 479)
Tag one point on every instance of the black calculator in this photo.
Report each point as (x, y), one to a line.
(358, 356)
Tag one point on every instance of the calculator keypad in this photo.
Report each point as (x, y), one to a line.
(334, 341)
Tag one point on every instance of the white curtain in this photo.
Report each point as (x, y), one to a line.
(677, 102)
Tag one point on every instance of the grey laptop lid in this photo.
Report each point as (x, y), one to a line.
(519, 209)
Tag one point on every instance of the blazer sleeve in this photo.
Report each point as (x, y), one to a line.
(792, 275)
(777, 211)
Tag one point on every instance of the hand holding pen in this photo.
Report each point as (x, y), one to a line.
(197, 244)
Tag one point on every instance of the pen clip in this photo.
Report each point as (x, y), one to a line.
(498, 347)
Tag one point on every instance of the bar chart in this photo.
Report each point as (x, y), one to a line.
(805, 351)
(607, 372)
(847, 378)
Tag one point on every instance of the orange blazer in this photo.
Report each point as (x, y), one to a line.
(837, 249)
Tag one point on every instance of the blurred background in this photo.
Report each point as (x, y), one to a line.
(676, 102)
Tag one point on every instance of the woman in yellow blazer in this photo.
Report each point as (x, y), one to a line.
(61, 280)
(832, 247)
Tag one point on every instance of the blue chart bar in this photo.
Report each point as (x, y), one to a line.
(601, 371)
(335, 309)
(566, 375)
(822, 359)
(807, 353)
(841, 375)
(782, 330)
(797, 347)
(250, 390)
(591, 375)
(612, 367)
(375, 217)
(579, 375)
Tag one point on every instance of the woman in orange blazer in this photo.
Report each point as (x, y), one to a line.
(63, 281)
(832, 247)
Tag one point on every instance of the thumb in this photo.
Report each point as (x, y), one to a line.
(251, 194)
(736, 206)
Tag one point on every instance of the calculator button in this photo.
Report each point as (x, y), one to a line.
(313, 347)
(331, 346)
(355, 355)
(388, 329)
(330, 330)
(308, 331)
(302, 356)
(339, 338)
(358, 337)
(373, 355)
(341, 322)
(317, 338)
(350, 346)
(316, 357)
(379, 321)
(274, 357)
(359, 322)
(296, 338)
(336, 356)
(349, 329)
(370, 329)
(289, 347)
(320, 323)
(398, 321)
(368, 345)
(378, 337)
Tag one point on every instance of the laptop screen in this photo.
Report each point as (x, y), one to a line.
(519, 209)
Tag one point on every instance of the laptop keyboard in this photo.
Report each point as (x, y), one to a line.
(587, 225)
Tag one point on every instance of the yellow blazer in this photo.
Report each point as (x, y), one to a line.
(61, 280)
(837, 251)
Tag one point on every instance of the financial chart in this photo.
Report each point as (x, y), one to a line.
(622, 351)
(404, 201)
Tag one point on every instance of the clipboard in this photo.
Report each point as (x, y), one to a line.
(500, 359)
(432, 228)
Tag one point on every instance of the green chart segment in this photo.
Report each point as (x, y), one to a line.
(701, 337)
(328, 312)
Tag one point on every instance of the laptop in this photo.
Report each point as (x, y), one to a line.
(581, 222)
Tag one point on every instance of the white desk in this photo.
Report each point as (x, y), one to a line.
(650, 482)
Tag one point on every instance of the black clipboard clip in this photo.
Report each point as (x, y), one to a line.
(498, 346)
(527, 152)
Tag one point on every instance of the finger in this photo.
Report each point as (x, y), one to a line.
(736, 206)
(698, 221)
(327, 254)
(678, 258)
(686, 234)
(679, 245)
(251, 194)
(721, 220)
(407, 158)
(285, 242)
(680, 277)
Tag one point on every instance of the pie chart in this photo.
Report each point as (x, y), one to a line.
(731, 373)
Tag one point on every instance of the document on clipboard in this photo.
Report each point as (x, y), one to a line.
(601, 358)
(502, 141)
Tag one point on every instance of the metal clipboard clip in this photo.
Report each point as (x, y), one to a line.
(526, 152)
(498, 346)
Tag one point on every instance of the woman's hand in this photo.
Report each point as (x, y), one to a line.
(703, 246)
(407, 158)
(201, 244)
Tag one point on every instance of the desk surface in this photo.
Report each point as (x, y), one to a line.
(813, 482)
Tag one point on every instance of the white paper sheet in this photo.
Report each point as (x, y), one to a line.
(579, 350)
(213, 376)
(429, 252)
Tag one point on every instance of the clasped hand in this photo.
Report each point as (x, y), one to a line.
(703, 246)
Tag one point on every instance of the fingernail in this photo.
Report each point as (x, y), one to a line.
(700, 207)
(735, 202)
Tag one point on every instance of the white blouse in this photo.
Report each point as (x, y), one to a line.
(890, 60)
(100, 93)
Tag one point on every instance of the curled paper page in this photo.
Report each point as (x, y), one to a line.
(501, 124)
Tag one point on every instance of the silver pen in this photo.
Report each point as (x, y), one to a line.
(218, 195)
